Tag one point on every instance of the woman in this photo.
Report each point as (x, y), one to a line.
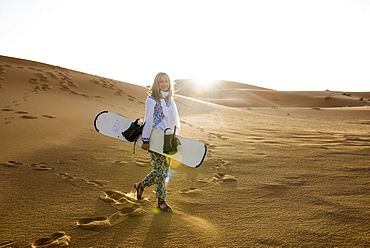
(160, 112)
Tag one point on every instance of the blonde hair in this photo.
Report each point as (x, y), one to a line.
(155, 91)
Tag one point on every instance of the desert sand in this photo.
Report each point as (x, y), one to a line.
(283, 169)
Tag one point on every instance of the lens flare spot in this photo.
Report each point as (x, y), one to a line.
(168, 177)
(156, 210)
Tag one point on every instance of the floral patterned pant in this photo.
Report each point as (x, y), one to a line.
(158, 175)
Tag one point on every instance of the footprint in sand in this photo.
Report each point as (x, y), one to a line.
(99, 183)
(102, 222)
(131, 97)
(41, 77)
(229, 178)
(142, 162)
(72, 160)
(54, 240)
(187, 123)
(216, 135)
(46, 87)
(41, 167)
(8, 110)
(219, 177)
(28, 117)
(72, 84)
(125, 202)
(12, 163)
(21, 112)
(96, 182)
(52, 75)
(220, 164)
(225, 177)
(94, 223)
(66, 176)
(120, 162)
(66, 88)
(49, 116)
(33, 81)
(119, 92)
(192, 191)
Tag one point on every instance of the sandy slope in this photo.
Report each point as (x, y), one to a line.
(276, 175)
(243, 95)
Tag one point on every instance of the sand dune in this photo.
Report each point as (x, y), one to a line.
(242, 95)
(284, 169)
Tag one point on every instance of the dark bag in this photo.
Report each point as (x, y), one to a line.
(170, 142)
(134, 131)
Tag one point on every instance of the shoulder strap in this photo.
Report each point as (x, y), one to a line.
(142, 126)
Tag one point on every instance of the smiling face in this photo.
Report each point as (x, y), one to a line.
(164, 83)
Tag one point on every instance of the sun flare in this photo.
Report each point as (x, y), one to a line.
(204, 82)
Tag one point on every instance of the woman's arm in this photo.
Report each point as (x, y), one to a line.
(149, 120)
(176, 117)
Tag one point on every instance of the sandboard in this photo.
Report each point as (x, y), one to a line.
(191, 152)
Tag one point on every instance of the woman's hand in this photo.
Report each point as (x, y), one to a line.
(145, 146)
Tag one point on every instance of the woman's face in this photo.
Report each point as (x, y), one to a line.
(164, 83)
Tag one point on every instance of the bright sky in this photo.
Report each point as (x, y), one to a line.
(278, 44)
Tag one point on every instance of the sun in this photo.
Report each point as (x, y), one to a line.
(204, 82)
(202, 85)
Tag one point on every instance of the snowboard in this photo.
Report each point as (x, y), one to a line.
(190, 152)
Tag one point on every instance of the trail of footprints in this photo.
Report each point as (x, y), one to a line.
(21, 113)
(318, 139)
(218, 165)
(56, 77)
(277, 137)
(128, 206)
(46, 167)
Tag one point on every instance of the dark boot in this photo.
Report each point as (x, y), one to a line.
(162, 205)
(139, 190)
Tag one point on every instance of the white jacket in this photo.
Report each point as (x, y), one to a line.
(160, 114)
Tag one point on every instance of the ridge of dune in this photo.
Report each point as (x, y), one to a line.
(243, 95)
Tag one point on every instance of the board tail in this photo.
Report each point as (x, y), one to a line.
(205, 152)
(103, 112)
